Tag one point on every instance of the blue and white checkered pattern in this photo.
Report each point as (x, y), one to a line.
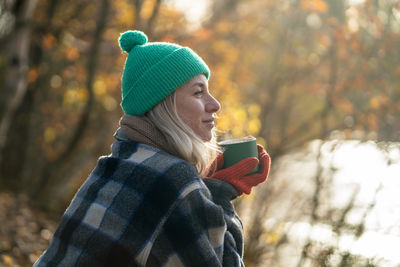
(143, 207)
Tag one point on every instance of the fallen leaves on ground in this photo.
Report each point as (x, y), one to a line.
(24, 231)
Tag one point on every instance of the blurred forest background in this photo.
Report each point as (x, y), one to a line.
(288, 72)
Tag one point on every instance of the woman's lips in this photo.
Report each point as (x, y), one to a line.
(209, 123)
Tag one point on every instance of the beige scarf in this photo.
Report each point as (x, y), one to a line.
(141, 130)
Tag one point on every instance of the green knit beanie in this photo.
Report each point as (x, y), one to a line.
(154, 70)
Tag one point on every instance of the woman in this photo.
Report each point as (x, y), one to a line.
(146, 203)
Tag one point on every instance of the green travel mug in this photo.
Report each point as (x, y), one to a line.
(237, 149)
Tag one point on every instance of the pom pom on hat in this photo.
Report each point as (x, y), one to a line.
(129, 39)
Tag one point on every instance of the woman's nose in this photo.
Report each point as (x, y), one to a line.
(213, 105)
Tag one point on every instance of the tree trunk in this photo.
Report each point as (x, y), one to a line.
(17, 67)
(138, 20)
(49, 178)
(152, 19)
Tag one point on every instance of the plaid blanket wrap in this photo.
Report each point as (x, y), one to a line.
(143, 207)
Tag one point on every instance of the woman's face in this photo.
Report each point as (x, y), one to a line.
(196, 106)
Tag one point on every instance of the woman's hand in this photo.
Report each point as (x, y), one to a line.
(236, 174)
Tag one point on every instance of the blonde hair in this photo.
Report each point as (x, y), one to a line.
(188, 145)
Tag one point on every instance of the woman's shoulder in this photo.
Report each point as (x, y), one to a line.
(139, 171)
(150, 157)
(142, 162)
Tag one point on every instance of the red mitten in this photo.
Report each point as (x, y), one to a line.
(236, 174)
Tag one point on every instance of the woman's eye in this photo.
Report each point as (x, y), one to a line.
(198, 93)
